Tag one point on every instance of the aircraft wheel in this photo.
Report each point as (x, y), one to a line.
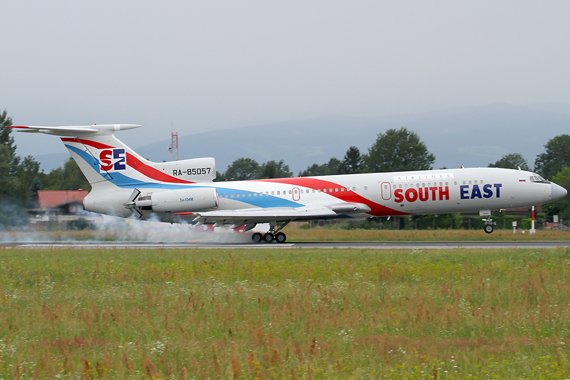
(257, 237)
(280, 237)
(268, 237)
(488, 228)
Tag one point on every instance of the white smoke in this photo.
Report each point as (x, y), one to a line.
(154, 231)
(116, 229)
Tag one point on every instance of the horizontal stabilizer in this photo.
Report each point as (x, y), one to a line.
(75, 130)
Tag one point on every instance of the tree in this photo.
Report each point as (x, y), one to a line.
(556, 157)
(219, 177)
(274, 169)
(330, 168)
(13, 191)
(9, 161)
(352, 162)
(68, 177)
(34, 188)
(242, 169)
(511, 161)
(398, 150)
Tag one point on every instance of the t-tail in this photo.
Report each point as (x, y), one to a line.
(111, 166)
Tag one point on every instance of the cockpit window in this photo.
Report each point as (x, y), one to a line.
(536, 178)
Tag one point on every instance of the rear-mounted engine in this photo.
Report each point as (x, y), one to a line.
(183, 200)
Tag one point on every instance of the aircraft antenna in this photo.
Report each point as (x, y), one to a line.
(174, 143)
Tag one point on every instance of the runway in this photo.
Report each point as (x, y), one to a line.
(293, 245)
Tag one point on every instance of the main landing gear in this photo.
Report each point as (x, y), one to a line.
(272, 235)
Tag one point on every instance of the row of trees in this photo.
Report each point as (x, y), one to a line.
(394, 150)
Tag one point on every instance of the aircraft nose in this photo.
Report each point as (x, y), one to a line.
(558, 192)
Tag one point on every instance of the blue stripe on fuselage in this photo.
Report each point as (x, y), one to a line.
(121, 180)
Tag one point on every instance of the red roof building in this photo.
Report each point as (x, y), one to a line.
(59, 198)
(57, 205)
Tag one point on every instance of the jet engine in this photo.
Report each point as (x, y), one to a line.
(174, 201)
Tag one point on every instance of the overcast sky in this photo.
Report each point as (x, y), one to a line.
(207, 65)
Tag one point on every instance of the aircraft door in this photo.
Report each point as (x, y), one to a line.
(386, 191)
(296, 194)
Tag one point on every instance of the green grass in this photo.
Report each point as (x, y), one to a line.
(274, 314)
(320, 234)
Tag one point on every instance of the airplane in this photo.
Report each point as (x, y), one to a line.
(125, 184)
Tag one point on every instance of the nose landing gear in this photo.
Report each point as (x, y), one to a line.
(488, 228)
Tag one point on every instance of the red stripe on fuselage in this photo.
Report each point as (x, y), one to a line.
(133, 162)
(346, 196)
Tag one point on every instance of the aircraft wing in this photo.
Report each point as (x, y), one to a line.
(284, 214)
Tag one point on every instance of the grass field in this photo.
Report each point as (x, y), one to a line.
(285, 314)
(336, 234)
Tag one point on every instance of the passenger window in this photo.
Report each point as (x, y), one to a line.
(354, 189)
(273, 193)
(342, 189)
(249, 194)
(290, 192)
(231, 195)
(336, 190)
(365, 187)
(255, 194)
(278, 193)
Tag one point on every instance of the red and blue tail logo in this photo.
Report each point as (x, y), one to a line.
(112, 160)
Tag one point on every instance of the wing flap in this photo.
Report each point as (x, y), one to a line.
(278, 214)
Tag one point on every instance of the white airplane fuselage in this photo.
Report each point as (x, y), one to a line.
(386, 194)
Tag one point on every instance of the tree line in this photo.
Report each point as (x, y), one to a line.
(21, 178)
(394, 150)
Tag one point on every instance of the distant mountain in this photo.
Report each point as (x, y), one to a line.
(474, 136)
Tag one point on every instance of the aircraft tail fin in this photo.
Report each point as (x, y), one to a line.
(106, 161)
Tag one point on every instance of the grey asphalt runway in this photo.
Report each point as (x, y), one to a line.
(308, 245)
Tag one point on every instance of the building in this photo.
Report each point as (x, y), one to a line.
(57, 206)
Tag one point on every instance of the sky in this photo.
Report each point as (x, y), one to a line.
(206, 65)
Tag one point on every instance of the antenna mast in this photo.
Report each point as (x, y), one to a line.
(174, 143)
